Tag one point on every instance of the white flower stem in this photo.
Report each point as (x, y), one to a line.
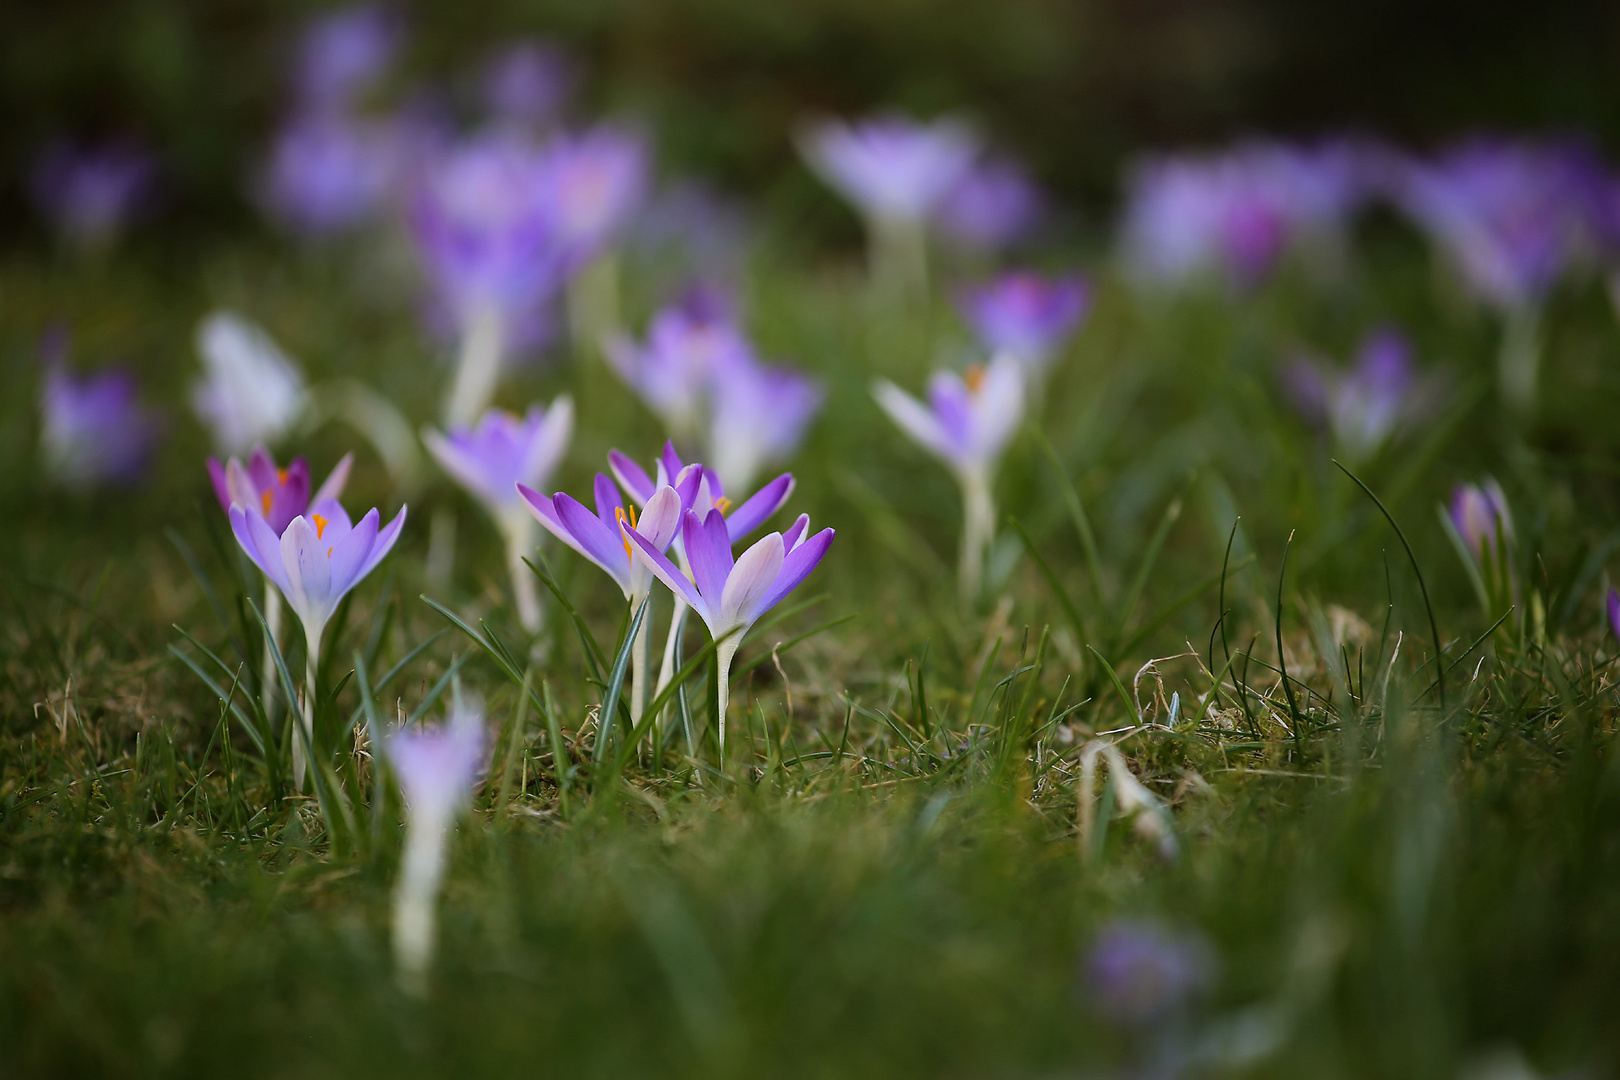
(414, 900)
(666, 670)
(723, 654)
(519, 542)
(272, 620)
(978, 528)
(304, 742)
(477, 368)
(899, 259)
(1520, 359)
(640, 649)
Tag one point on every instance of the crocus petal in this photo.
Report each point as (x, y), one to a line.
(545, 512)
(597, 542)
(348, 555)
(260, 543)
(751, 581)
(670, 460)
(381, 546)
(914, 418)
(670, 575)
(760, 506)
(547, 447)
(1614, 612)
(708, 550)
(662, 518)
(309, 573)
(796, 567)
(336, 517)
(607, 501)
(632, 477)
(332, 487)
(241, 488)
(261, 468)
(216, 477)
(796, 531)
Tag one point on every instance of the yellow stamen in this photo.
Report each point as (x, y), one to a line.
(974, 377)
(723, 505)
(621, 515)
(264, 497)
(281, 475)
(320, 525)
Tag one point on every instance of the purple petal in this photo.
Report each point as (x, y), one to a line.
(632, 477)
(796, 567)
(348, 553)
(309, 572)
(708, 550)
(260, 543)
(751, 581)
(796, 531)
(333, 485)
(381, 546)
(1614, 612)
(760, 506)
(216, 477)
(670, 574)
(607, 501)
(598, 543)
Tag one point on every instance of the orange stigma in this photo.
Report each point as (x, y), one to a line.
(281, 476)
(264, 497)
(974, 377)
(320, 525)
(621, 515)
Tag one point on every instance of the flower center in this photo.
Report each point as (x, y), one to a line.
(621, 515)
(281, 476)
(264, 497)
(974, 378)
(320, 526)
(723, 505)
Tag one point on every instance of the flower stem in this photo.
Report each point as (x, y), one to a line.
(1520, 359)
(899, 260)
(304, 741)
(723, 654)
(477, 368)
(414, 902)
(519, 541)
(272, 620)
(666, 670)
(978, 528)
(640, 650)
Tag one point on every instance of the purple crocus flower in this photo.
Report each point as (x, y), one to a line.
(1479, 512)
(1025, 315)
(1614, 613)
(1236, 212)
(594, 182)
(730, 595)
(90, 192)
(966, 424)
(527, 83)
(251, 391)
(741, 518)
(602, 537)
(1366, 405)
(491, 460)
(329, 173)
(486, 230)
(343, 54)
(687, 344)
(1511, 217)
(891, 168)
(314, 562)
(278, 495)
(1139, 974)
(436, 769)
(759, 417)
(995, 205)
(93, 429)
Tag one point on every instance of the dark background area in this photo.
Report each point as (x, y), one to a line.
(1074, 86)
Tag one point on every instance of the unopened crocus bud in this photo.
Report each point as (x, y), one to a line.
(1139, 974)
(1480, 514)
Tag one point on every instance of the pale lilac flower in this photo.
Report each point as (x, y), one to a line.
(1614, 613)
(995, 205)
(966, 424)
(276, 494)
(1237, 212)
(331, 173)
(891, 168)
(251, 392)
(602, 536)
(437, 769)
(491, 460)
(689, 230)
(758, 418)
(93, 429)
(1365, 406)
(90, 192)
(741, 517)
(527, 83)
(1025, 315)
(343, 54)
(688, 344)
(595, 183)
(1140, 974)
(730, 595)
(1479, 513)
(1511, 217)
(486, 229)
(314, 563)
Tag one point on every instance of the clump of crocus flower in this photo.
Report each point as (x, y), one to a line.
(487, 232)
(897, 173)
(89, 192)
(995, 205)
(329, 173)
(1614, 613)
(1235, 213)
(491, 460)
(314, 562)
(251, 392)
(728, 594)
(1511, 218)
(340, 56)
(1481, 525)
(1365, 406)
(1140, 974)
(1026, 316)
(527, 83)
(967, 423)
(93, 429)
(436, 769)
